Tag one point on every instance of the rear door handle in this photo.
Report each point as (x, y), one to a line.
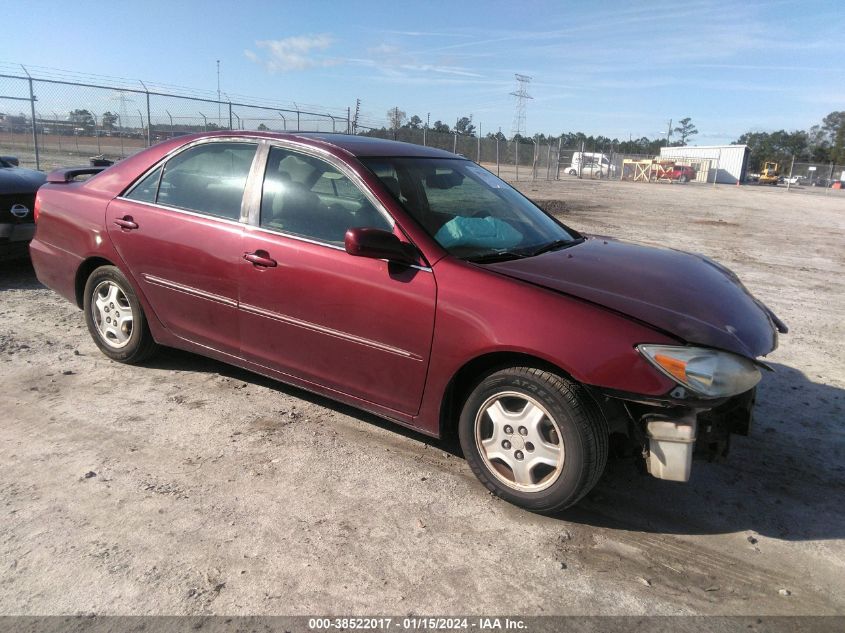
(260, 258)
(126, 222)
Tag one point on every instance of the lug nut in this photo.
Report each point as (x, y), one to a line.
(508, 429)
(111, 305)
(108, 319)
(523, 430)
(529, 446)
(106, 310)
(506, 444)
(518, 455)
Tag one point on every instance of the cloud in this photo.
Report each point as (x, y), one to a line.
(293, 53)
(383, 49)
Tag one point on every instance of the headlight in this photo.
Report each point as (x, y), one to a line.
(707, 372)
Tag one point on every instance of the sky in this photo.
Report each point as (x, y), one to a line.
(621, 69)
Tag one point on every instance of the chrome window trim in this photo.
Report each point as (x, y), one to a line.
(253, 190)
(258, 142)
(326, 156)
(294, 236)
(137, 183)
(195, 214)
(307, 240)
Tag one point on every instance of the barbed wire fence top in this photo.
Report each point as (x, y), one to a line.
(52, 118)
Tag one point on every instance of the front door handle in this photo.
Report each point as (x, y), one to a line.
(260, 258)
(126, 222)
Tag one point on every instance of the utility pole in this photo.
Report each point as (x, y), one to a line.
(669, 133)
(34, 124)
(218, 92)
(478, 152)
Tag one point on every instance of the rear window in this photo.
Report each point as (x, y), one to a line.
(209, 178)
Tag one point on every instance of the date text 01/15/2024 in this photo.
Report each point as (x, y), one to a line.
(417, 623)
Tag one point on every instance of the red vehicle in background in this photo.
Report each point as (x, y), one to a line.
(681, 173)
(414, 284)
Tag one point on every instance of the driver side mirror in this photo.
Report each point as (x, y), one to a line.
(379, 244)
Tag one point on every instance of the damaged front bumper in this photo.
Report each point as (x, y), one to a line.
(669, 435)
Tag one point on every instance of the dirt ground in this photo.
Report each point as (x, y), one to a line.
(185, 486)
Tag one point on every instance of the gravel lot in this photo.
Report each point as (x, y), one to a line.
(189, 487)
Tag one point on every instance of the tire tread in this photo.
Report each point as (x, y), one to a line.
(585, 414)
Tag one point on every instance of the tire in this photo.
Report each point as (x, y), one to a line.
(572, 172)
(109, 295)
(551, 421)
(682, 179)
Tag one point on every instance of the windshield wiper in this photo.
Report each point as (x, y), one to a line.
(495, 256)
(553, 246)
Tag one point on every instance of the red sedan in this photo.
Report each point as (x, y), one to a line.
(414, 284)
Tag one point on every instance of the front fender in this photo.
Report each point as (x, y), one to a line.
(481, 313)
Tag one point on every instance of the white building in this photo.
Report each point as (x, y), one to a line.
(725, 163)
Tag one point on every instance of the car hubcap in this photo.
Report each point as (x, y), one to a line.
(519, 441)
(112, 314)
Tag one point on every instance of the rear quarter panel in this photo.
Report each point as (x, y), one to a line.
(70, 229)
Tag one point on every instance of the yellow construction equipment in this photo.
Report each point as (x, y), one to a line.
(770, 174)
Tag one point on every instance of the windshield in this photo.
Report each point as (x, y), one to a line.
(470, 212)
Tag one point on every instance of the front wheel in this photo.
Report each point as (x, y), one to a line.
(533, 438)
(572, 172)
(115, 318)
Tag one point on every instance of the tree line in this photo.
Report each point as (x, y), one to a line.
(402, 127)
(822, 143)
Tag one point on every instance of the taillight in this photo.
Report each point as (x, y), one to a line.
(36, 208)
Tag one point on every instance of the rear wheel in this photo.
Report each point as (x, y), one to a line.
(572, 172)
(533, 438)
(683, 178)
(115, 318)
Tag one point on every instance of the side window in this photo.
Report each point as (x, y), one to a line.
(209, 178)
(146, 190)
(306, 196)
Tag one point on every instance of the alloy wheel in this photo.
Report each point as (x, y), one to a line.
(519, 442)
(112, 314)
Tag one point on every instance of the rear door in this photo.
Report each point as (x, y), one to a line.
(359, 326)
(179, 230)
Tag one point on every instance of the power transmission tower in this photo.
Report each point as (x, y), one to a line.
(119, 95)
(521, 94)
(355, 119)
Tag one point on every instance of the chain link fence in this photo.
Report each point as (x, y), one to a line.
(48, 123)
(815, 175)
(519, 158)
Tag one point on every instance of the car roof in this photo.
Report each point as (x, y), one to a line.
(372, 146)
(359, 146)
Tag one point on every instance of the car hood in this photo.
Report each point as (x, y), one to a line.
(20, 180)
(687, 295)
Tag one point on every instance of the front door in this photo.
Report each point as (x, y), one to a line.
(359, 326)
(179, 232)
